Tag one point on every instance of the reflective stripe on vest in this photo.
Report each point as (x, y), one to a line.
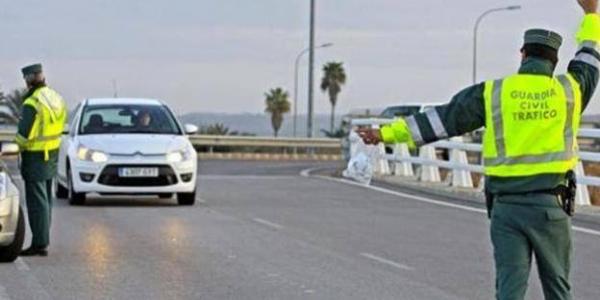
(521, 162)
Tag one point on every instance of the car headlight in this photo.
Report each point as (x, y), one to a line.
(87, 154)
(179, 155)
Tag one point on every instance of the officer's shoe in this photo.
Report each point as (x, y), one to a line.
(34, 251)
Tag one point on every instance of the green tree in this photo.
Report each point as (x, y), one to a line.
(12, 102)
(334, 76)
(214, 129)
(277, 104)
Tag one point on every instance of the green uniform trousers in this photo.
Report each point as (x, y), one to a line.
(523, 225)
(38, 195)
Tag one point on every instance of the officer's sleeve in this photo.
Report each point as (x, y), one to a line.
(586, 64)
(464, 113)
(25, 124)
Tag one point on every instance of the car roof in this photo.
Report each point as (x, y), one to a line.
(132, 101)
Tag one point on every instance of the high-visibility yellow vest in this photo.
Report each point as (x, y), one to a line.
(46, 132)
(531, 123)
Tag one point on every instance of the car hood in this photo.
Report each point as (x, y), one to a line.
(130, 144)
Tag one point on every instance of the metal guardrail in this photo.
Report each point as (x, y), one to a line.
(212, 141)
(458, 160)
(252, 141)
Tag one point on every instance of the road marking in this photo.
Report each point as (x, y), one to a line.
(306, 173)
(3, 294)
(252, 177)
(400, 194)
(386, 261)
(21, 265)
(267, 223)
(586, 230)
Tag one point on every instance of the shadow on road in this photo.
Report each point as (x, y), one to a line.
(126, 202)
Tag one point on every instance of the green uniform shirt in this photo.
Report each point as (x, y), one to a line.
(33, 165)
(466, 113)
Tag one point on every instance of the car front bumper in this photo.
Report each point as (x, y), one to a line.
(181, 176)
(9, 216)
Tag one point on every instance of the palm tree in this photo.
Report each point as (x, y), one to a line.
(15, 100)
(277, 104)
(334, 76)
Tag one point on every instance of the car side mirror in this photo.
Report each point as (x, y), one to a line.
(9, 149)
(190, 129)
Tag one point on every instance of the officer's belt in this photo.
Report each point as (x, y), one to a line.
(557, 191)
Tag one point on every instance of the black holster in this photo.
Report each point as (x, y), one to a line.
(567, 193)
(489, 203)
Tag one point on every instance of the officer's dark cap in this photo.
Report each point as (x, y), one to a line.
(32, 69)
(543, 37)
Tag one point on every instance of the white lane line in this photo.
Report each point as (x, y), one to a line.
(404, 195)
(586, 230)
(267, 223)
(427, 200)
(252, 177)
(386, 261)
(3, 294)
(306, 172)
(21, 265)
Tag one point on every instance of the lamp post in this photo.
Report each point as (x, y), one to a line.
(311, 70)
(487, 12)
(296, 82)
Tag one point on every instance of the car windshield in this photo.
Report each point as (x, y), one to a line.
(110, 119)
(400, 111)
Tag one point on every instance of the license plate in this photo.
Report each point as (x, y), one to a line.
(138, 172)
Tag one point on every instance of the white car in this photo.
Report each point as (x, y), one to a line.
(12, 221)
(120, 146)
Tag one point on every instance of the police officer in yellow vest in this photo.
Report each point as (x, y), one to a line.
(44, 114)
(531, 121)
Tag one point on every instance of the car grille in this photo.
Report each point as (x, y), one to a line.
(110, 176)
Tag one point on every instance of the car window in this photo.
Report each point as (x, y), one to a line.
(400, 111)
(109, 119)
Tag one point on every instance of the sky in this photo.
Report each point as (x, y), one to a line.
(223, 55)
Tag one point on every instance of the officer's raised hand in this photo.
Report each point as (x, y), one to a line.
(396, 132)
(589, 6)
(369, 136)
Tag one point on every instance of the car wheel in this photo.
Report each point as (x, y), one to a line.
(9, 253)
(186, 198)
(61, 191)
(74, 197)
(165, 195)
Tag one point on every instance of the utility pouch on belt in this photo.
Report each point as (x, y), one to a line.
(489, 203)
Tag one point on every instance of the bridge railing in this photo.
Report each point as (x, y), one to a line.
(252, 146)
(460, 164)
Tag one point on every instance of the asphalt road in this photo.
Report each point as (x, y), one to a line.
(262, 231)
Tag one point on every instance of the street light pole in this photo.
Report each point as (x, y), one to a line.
(296, 67)
(311, 65)
(476, 28)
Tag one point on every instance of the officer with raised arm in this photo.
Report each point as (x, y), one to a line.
(531, 122)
